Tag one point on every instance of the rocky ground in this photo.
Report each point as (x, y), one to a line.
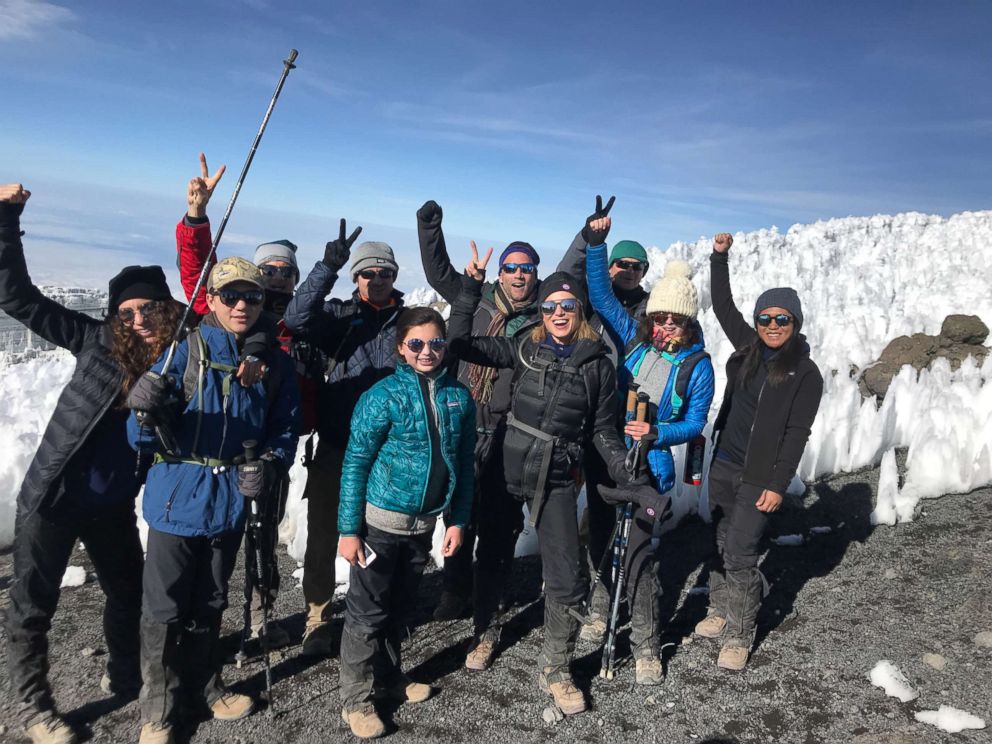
(839, 603)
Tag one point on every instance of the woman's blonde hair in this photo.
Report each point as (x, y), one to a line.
(585, 331)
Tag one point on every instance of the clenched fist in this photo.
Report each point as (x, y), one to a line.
(14, 193)
(722, 242)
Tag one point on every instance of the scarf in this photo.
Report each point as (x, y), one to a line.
(481, 378)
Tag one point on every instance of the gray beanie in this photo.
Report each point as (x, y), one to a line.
(277, 250)
(783, 297)
(371, 255)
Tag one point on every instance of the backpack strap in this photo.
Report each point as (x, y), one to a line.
(683, 375)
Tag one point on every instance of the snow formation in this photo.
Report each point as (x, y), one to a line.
(886, 675)
(950, 719)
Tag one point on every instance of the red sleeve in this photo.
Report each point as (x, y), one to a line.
(193, 243)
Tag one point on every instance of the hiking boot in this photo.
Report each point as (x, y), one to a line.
(50, 729)
(481, 656)
(711, 626)
(278, 637)
(127, 688)
(567, 696)
(317, 640)
(231, 707)
(594, 631)
(364, 721)
(156, 733)
(649, 671)
(405, 690)
(733, 656)
(451, 607)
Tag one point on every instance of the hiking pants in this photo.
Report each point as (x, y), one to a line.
(323, 495)
(736, 584)
(184, 596)
(43, 544)
(381, 597)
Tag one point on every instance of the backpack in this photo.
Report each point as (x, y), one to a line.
(683, 375)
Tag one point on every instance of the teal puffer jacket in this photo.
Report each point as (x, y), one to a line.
(389, 452)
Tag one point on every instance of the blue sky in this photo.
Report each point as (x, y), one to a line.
(700, 117)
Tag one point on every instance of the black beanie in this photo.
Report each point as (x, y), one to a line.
(562, 281)
(784, 297)
(146, 282)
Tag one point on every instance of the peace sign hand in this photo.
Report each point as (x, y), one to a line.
(598, 223)
(14, 193)
(476, 269)
(336, 252)
(201, 189)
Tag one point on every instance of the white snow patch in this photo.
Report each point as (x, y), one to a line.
(73, 576)
(886, 675)
(950, 719)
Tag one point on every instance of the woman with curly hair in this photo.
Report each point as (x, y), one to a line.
(82, 482)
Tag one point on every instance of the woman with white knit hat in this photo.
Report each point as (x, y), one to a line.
(664, 357)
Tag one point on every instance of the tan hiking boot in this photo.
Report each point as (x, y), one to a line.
(594, 631)
(156, 733)
(567, 696)
(711, 626)
(231, 707)
(733, 656)
(649, 671)
(364, 721)
(317, 636)
(407, 691)
(50, 729)
(481, 657)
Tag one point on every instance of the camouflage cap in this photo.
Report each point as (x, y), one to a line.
(234, 269)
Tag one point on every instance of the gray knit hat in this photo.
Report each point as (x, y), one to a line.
(277, 250)
(783, 297)
(371, 255)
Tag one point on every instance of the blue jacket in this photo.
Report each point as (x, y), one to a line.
(389, 453)
(189, 499)
(699, 393)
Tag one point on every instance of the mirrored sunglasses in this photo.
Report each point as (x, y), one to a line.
(386, 274)
(231, 297)
(781, 320)
(569, 306)
(145, 310)
(416, 345)
(283, 272)
(511, 268)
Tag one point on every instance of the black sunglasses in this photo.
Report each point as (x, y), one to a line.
(662, 318)
(781, 320)
(386, 274)
(629, 265)
(416, 345)
(569, 306)
(511, 268)
(284, 272)
(145, 310)
(231, 297)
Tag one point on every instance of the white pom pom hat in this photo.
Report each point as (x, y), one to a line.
(674, 292)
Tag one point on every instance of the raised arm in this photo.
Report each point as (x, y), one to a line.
(441, 274)
(738, 330)
(574, 260)
(601, 296)
(489, 351)
(193, 241)
(19, 297)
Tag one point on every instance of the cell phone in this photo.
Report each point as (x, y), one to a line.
(369, 554)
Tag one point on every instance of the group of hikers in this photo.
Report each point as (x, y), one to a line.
(518, 400)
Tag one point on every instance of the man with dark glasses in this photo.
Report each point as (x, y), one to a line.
(358, 337)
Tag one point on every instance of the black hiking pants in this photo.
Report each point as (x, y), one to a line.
(184, 596)
(43, 544)
(380, 600)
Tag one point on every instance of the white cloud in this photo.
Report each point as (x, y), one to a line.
(27, 19)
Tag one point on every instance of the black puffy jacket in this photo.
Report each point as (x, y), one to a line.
(571, 401)
(96, 381)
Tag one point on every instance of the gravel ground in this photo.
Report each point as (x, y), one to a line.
(839, 603)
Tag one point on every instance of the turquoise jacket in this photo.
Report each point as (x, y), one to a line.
(389, 451)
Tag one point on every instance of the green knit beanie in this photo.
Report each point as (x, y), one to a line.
(629, 249)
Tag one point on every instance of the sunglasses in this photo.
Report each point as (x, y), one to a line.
(416, 345)
(569, 306)
(765, 320)
(231, 297)
(283, 272)
(629, 265)
(676, 319)
(370, 274)
(147, 310)
(511, 268)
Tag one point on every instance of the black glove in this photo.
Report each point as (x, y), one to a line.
(152, 392)
(645, 496)
(336, 252)
(255, 479)
(597, 237)
(430, 212)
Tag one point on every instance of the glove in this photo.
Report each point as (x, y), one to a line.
(256, 478)
(597, 237)
(645, 496)
(152, 393)
(336, 252)
(617, 468)
(430, 212)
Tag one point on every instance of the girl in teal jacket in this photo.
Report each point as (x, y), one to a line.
(410, 459)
